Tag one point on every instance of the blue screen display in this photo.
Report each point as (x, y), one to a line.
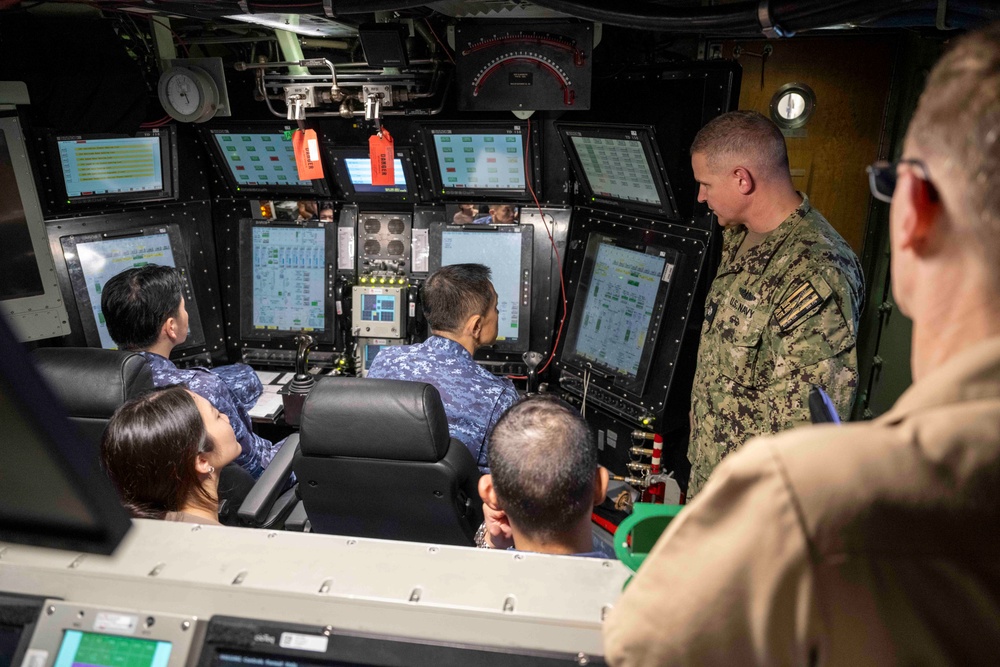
(359, 170)
(289, 279)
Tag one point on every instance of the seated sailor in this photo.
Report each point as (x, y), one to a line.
(545, 480)
(461, 308)
(145, 312)
(164, 450)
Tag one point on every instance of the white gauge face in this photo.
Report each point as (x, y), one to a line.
(791, 105)
(183, 94)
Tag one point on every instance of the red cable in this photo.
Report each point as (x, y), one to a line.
(438, 39)
(562, 282)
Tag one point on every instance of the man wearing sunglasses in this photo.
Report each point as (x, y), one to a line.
(782, 312)
(875, 542)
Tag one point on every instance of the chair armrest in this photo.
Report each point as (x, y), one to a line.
(257, 505)
(297, 520)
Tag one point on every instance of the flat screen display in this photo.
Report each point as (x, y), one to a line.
(500, 252)
(359, 171)
(485, 161)
(619, 165)
(619, 305)
(618, 309)
(102, 168)
(617, 169)
(102, 260)
(89, 649)
(289, 279)
(261, 159)
(378, 307)
(19, 275)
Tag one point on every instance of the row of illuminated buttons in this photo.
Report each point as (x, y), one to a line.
(382, 280)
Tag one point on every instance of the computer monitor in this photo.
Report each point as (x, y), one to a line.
(352, 171)
(53, 492)
(107, 168)
(485, 160)
(619, 304)
(619, 165)
(507, 250)
(259, 159)
(286, 280)
(95, 257)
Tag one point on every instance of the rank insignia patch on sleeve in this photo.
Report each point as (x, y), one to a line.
(801, 302)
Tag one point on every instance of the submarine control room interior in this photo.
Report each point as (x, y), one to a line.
(305, 167)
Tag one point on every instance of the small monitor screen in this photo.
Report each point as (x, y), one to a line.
(371, 350)
(500, 252)
(359, 170)
(619, 308)
(101, 168)
(102, 260)
(88, 649)
(378, 307)
(289, 278)
(617, 169)
(619, 165)
(111, 166)
(261, 159)
(487, 161)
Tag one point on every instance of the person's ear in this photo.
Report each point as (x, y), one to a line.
(202, 465)
(488, 493)
(474, 326)
(171, 329)
(919, 211)
(744, 180)
(600, 485)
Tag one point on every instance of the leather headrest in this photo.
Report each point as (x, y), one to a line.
(375, 419)
(93, 382)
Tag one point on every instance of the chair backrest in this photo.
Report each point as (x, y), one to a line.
(376, 460)
(93, 383)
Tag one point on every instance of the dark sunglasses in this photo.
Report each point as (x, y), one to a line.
(882, 177)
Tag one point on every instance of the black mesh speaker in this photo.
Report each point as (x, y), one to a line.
(384, 44)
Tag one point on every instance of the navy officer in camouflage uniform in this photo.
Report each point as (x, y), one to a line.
(782, 312)
(145, 311)
(461, 308)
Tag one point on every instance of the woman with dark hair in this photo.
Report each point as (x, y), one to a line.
(163, 452)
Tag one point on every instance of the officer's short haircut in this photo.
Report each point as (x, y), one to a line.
(543, 459)
(455, 293)
(743, 137)
(956, 131)
(137, 302)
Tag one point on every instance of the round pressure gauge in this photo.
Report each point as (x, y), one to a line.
(792, 105)
(188, 94)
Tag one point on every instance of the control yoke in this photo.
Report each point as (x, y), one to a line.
(532, 359)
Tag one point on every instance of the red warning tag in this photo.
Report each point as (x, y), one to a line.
(306, 147)
(382, 151)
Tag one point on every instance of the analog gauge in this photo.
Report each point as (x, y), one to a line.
(792, 105)
(188, 94)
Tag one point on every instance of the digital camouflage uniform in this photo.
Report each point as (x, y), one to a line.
(473, 398)
(779, 318)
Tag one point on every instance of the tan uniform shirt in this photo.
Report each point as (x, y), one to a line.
(868, 543)
(779, 317)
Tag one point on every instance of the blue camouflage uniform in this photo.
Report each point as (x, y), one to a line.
(232, 390)
(474, 399)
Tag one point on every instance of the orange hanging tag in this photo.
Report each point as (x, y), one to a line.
(306, 147)
(382, 151)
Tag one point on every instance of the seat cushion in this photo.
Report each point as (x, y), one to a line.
(92, 382)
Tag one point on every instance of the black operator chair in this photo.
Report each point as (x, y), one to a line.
(376, 460)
